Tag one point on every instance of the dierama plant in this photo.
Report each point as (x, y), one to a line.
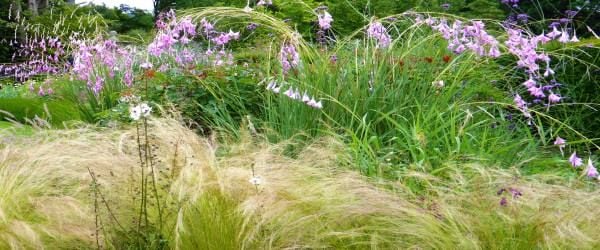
(381, 92)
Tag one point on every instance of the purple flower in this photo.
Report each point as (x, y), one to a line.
(494, 52)
(564, 20)
(574, 160)
(536, 92)
(522, 17)
(445, 6)
(305, 98)
(252, 26)
(554, 98)
(503, 202)
(377, 31)
(561, 143)
(521, 105)
(325, 20)
(146, 65)
(225, 38)
(515, 192)
(592, 172)
(570, 13)
(128, 78)
(289, 57)
(554, 33)
(206, 26)
(313, 103)
(530, 83)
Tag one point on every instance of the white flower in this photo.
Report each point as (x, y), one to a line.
(256, 180)
(135, 113)
(438, 84)
(234, 35)
(305, 97)
(574, 39)
(313, 103)
(296, 95)
(318, 105)
(145, 109)
(146, 65)
(289, 93)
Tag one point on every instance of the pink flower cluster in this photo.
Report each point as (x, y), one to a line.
(224, 38)
(170, 33)
(524, 47)
(39, 56)
(463, 37)
(377, 31)
(96, 63)
(295, 94)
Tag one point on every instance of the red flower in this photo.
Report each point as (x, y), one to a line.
(446, 58)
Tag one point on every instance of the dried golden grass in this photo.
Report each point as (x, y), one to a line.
(309, 201)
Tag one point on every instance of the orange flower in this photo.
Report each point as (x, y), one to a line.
(149, 73)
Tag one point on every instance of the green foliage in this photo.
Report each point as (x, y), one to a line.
(24, 110)
(389, 107)
(91, 107)
(578, 71)
(10, 91)
(214, 100)
(125, 19)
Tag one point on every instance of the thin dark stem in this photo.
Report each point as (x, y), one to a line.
(142, 205)
(97, 191)
(94, 187)
(149, 161)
